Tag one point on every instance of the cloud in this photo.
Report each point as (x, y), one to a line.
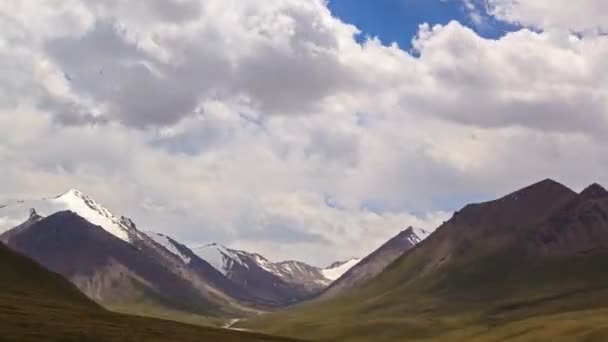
(236, 121)
(543, 81)
(282, 58)
(583, 15)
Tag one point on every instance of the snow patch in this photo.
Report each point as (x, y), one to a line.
(220, 257)
(336, 272)
(166, 242)
(421, 233)
(265, 264)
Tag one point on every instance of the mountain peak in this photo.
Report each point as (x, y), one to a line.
(79, 203)
(594, 191)
(72, 193)
(544, 190)
(545, 185)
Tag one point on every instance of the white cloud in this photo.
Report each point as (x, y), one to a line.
(266, 126)
(581, 15)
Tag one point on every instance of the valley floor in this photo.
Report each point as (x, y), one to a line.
(587, 325)
(27, 320)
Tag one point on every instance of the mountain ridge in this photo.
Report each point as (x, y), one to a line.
(39, 305)
(375, 262)
(97, 277)
(483, 269)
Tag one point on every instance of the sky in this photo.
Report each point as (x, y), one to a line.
(299, 129)
(397, 21)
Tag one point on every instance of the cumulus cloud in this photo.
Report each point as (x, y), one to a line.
(266, 126)
(582, 15)
(545, 81)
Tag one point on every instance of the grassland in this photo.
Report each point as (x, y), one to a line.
(495, 298)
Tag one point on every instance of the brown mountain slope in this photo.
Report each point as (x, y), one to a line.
(373, 264)
(534, 257)
(107, 269)
(39, 305)
(581, 227)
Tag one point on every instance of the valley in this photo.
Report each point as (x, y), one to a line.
(508, 268)
(38, 305)
(303, 170)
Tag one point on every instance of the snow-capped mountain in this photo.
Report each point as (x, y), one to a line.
(363, 270)
(300, 272)
(285, 282)
(76, 202)
(225, 260)
(213, 273)
(111, 260)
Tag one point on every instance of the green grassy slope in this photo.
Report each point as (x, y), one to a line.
(475, 279)
(38, 305)
(533, 302)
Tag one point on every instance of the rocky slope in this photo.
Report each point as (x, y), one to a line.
(39, 305)
(112, 261)
(280, 283)
(372, 265)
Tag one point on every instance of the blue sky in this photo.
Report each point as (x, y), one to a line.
(398, 20)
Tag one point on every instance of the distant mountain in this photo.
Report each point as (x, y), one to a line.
(109, 265)
(495, 271)
(358, 272)
(112, 261)
(109, 270)
(282, 283)
(39, 305)
(77, 202)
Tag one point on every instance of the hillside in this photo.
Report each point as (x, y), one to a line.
(39, 305)
(373, 264)
(529, 265)
(115, 263)
(110, 270)
(124, 268)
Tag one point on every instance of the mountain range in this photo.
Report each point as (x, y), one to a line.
(122, 267)
(39, 305)
(527, 266)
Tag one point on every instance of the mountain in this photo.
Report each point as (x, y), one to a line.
(527, 266)
(280, 283)
(579, 228)
(109, 270)
(359, 272)
(224, 279)
(112, 261)
(77, 202)
(229, 283)
(40, 305)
